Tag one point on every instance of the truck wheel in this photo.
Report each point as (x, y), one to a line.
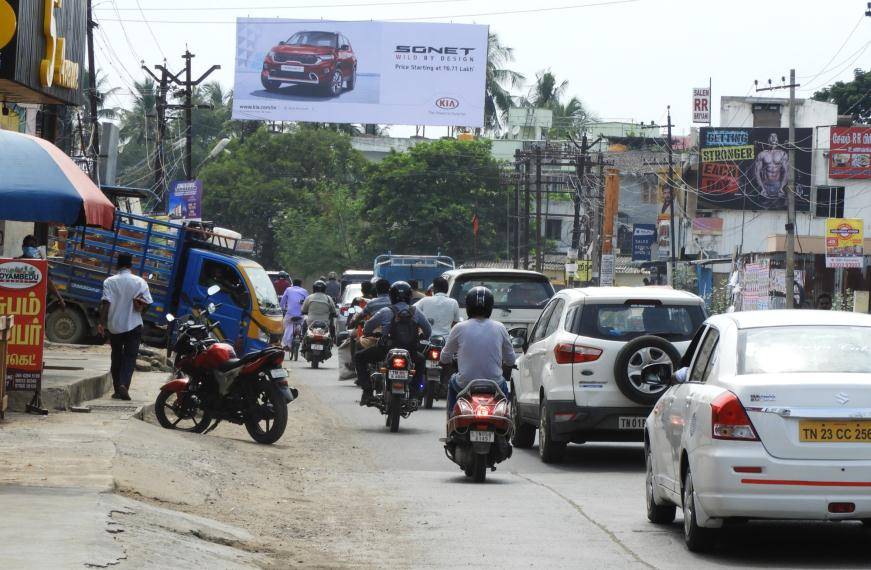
(67, 326)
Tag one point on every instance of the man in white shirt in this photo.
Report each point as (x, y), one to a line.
(125, 297)
(442, 311)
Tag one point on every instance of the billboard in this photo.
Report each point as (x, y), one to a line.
(747, 168)
(844, 241)
(702, 105)
(360, 72)
(23, 285)
(643, 238)
(850, 152)
(186, 200)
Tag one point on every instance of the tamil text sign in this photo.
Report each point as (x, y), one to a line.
(850, 152)
(844, 241)
(22, 294)
(748, 168)
(702, 105)
(643, 238)
(186, 200)
(360, 72)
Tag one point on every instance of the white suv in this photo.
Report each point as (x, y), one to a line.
(579, 378)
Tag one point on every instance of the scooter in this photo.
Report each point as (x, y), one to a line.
(437, 376)
(317, 345)
(479, 429)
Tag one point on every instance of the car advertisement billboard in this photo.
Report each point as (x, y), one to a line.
(748, 168)
(360, 72)
(850, 152)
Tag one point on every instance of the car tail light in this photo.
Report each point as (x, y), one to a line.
(569, 353)
(729, 419)
(502, 409)
(841, 508)
(398, 362)
(434, 354)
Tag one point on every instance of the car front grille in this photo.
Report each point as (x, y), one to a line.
(296, 57)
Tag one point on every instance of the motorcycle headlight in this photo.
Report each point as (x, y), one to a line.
(326, 57)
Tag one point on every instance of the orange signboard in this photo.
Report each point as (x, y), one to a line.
(23, 285)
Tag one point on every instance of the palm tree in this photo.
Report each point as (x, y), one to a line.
(103, 93)
(498, 99)
(547, 93)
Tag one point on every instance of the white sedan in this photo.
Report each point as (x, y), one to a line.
(772, 421)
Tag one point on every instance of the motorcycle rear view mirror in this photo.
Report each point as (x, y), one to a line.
(213, 290)
(211, 308)
(170, 317)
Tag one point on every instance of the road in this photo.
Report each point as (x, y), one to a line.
(585, 513)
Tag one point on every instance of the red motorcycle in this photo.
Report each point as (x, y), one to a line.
(479, 430)
(212, 385)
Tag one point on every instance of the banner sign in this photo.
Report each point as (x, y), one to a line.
(663, 238)
(850, 152)
(360, 72)
(748, 168)
(186, 200)
(702, 105)
(606, 270)
(23, 284)
(643, 238)
(708, 226)
(844, 241)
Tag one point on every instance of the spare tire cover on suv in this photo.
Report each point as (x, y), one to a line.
(634, 356)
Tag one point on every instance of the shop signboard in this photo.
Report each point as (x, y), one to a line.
(360, 72)
(663, 237)
(23, 284)
(708, 226)
(606, 271)
(643, 238)
(42, 51)
(186, 200)
(844, 243)
(702, 105)
(850, 152)
(748, 168)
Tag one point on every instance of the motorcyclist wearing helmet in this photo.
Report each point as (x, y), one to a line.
(334, 288)
(320, 307)
(282, 283)
(481, 346)
(400, 308)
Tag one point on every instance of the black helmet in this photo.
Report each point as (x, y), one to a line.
(479, 302)
(382, 286)
(283, 275)
(367, 289)
(400, 292)
(319, 287)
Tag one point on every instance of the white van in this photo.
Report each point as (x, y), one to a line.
(519, 295)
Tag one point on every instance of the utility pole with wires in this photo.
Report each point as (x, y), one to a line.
(160, 105)
(789, 281)
(94, 119)
(670, 185)
(188, 108)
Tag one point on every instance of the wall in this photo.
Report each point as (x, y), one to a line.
(13, 235)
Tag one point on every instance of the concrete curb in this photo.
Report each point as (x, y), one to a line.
(65, 397)
(143, 411)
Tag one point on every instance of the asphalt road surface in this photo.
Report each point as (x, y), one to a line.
(585, 513)
(367, 90)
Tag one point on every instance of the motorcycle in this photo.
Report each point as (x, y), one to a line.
(211, 385)
(480, 429)
(317, 345)
(437, 376)
(297, 338)
(392, 387)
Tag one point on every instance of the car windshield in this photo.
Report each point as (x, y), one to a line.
(626, 321)
(795, 349)
(319, 39)
(509, 291)
(351, 291)
(264, 290)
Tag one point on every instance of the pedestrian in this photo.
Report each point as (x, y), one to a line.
(125, 298)
(824, 302)
(334, 288)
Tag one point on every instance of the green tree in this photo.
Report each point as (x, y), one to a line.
(569, 117)
(138, 128)
(499, 81)
(852, 97)
(423, 200)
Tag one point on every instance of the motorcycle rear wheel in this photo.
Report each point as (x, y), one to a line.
(479, 468)
(393, 413)
(268, 430)
(315, 363)
(429, 394)
(169, 400)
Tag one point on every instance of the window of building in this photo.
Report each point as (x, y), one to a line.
(553, 229)
(830, 201)
(766, 115)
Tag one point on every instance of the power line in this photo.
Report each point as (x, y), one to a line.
(298, 7)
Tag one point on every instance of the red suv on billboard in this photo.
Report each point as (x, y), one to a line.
(322, 59)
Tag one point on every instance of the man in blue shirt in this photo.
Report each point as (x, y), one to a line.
(291, 303)
(385, 318)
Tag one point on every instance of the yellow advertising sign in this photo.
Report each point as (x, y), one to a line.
(844, 240)
(728, 153)
(8, 23)
(55, 68)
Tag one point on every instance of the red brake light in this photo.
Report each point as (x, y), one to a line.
(729, 419)
(568, 353)
(398, 362)
(434, 354)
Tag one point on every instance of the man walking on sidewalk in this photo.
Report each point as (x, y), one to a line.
(125, 297)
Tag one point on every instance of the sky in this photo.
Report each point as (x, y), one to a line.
(626, 60)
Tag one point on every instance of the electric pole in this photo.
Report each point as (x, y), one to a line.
(94, 147)
(670, 185)
(539, 257)
(789, 269)
(526, 207)
(160, 107)
(517, 209)
(188, 108)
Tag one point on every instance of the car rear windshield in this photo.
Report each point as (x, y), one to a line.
(320, 39)
(509, 291)
(625, 321)
(776, 350)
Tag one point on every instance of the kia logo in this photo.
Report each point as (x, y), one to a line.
(447, 103)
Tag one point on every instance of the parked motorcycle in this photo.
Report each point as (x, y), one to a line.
(393, 390)
(212, 385)
(437, 376)
(479, 430)
(317, 345)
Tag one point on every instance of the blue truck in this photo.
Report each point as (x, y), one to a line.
(420, 268)
(179, 262)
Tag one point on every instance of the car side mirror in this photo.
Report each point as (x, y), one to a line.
(211, 308)
(657, 374)
(518, 343)
(213, 290)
